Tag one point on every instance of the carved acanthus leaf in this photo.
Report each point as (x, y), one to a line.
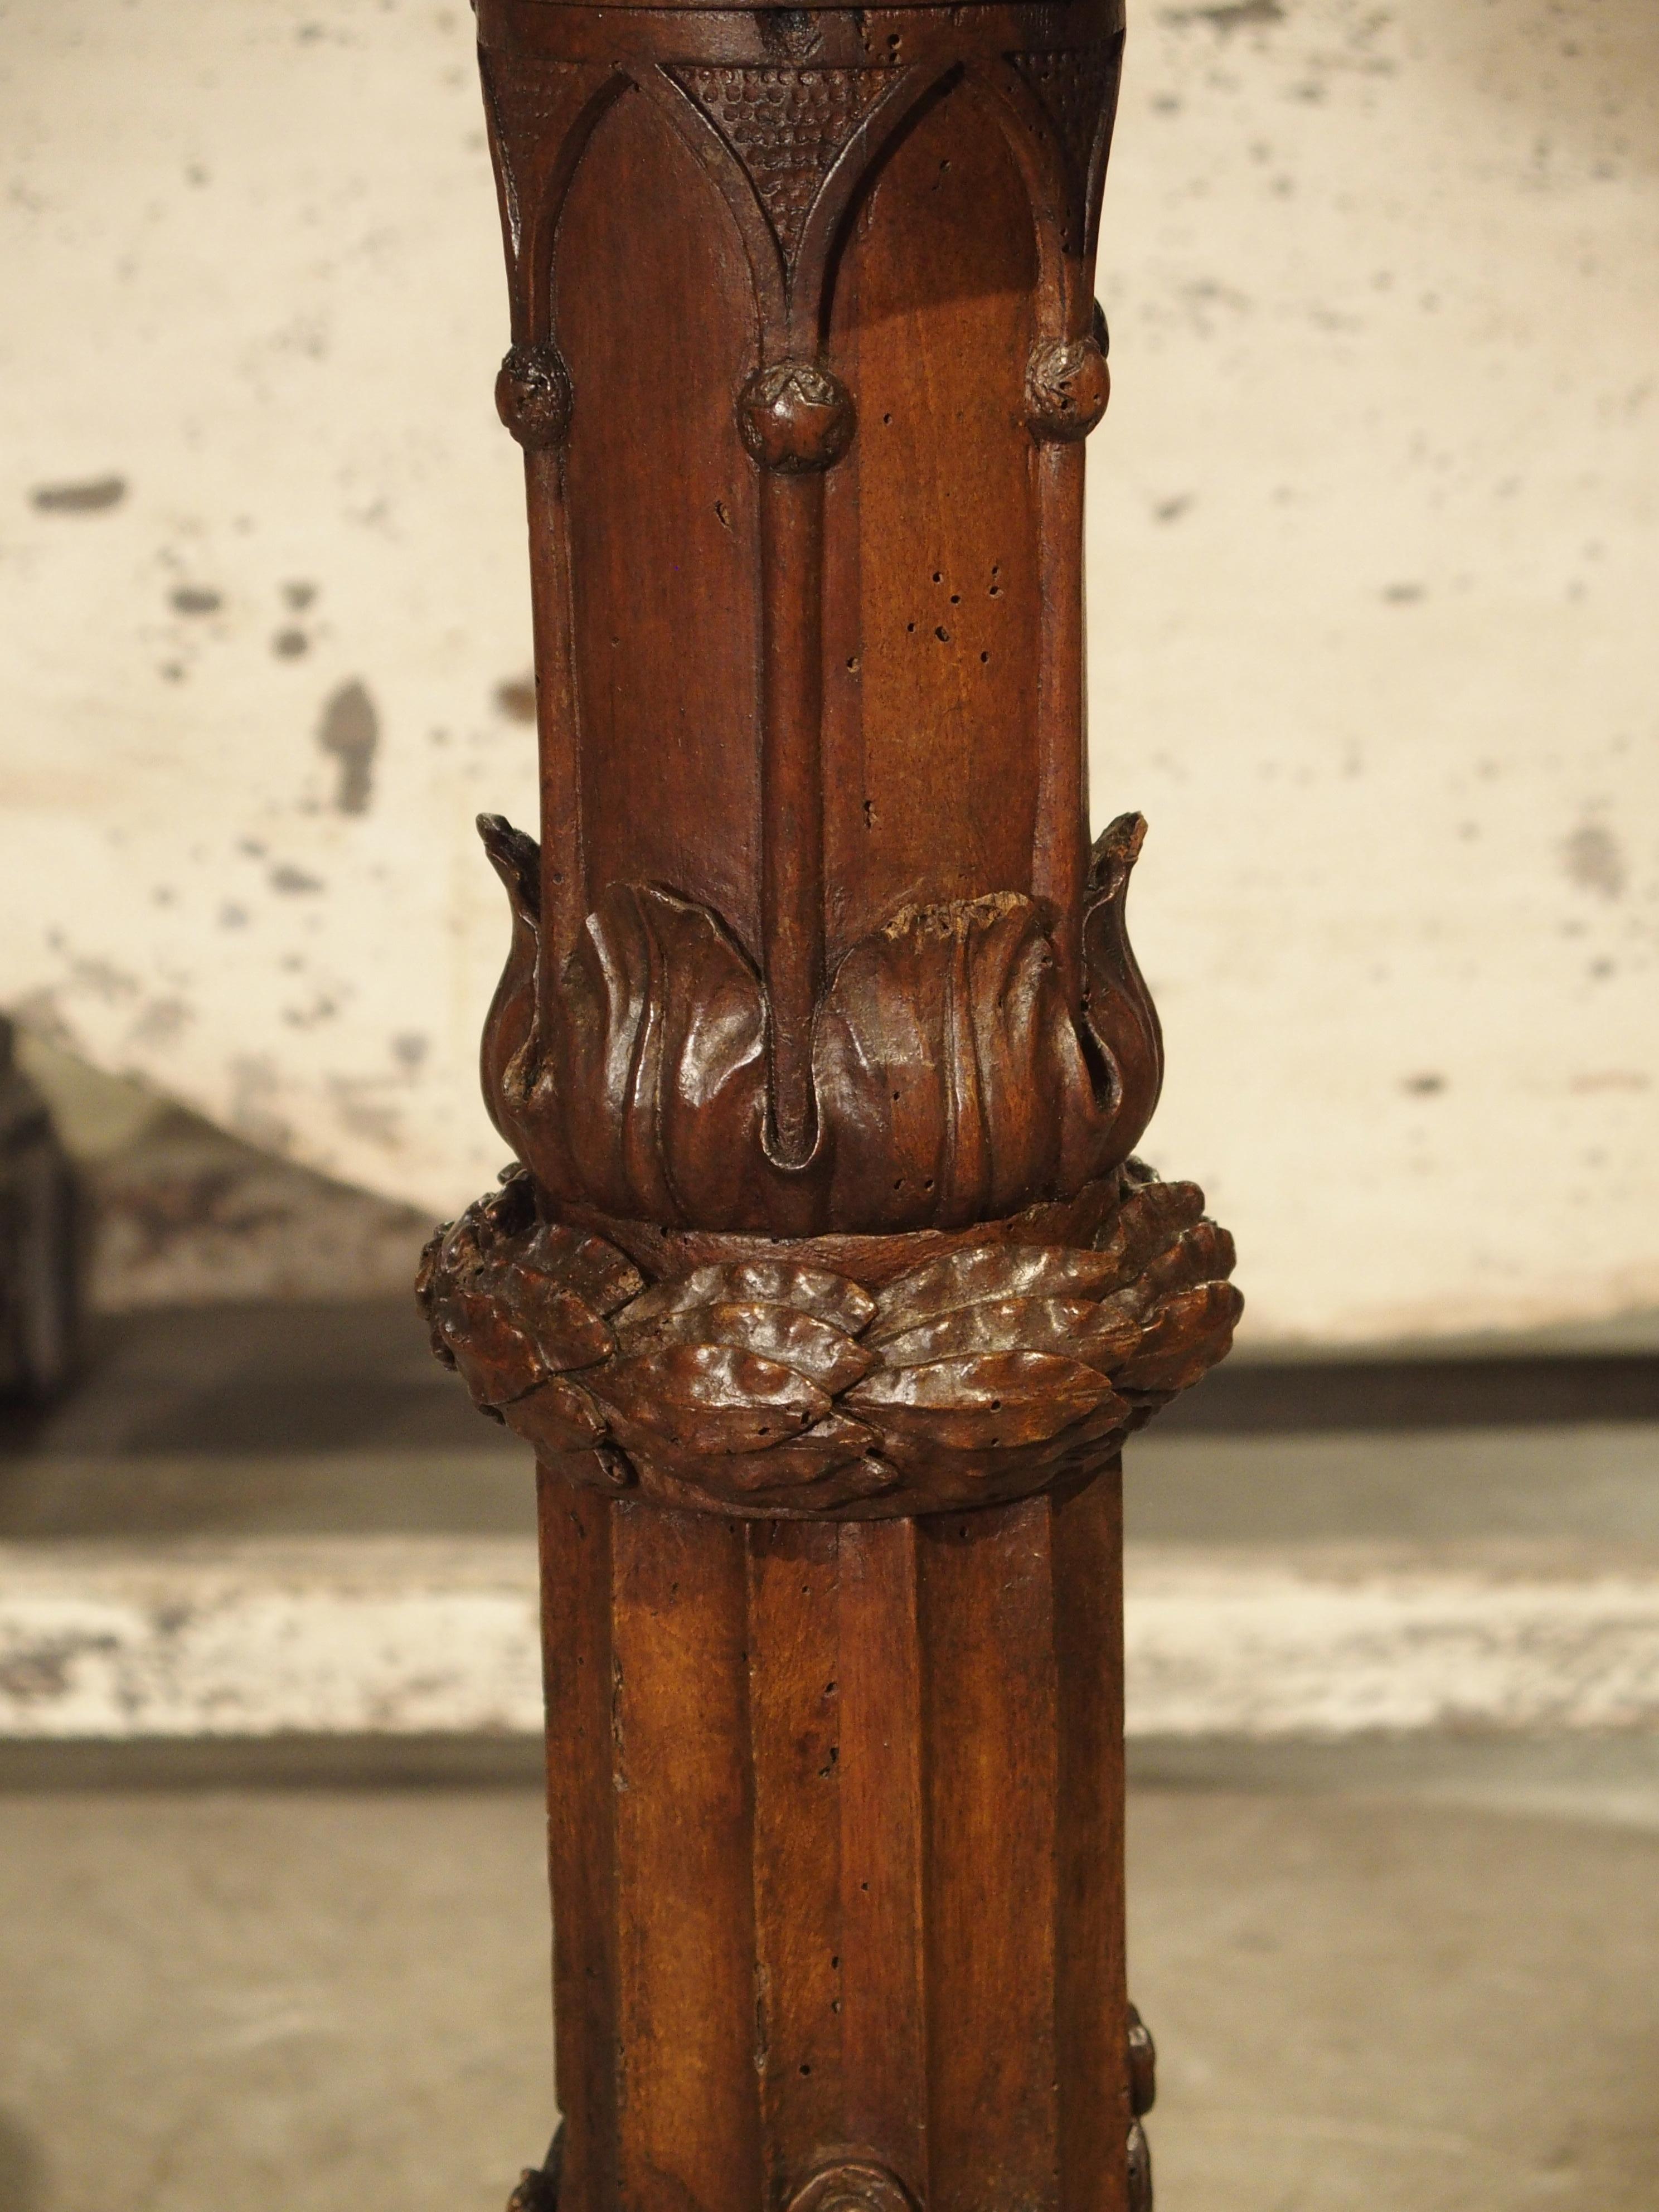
(954, 1081)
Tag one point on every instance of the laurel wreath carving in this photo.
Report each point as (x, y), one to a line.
(764, 1386)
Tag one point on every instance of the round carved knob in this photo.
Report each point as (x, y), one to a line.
(1140, 2170)
(796, 416)
(1143, 2066)
(854, 2187)
(1067, 384)
(532, 396)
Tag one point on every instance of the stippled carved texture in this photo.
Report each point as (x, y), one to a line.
(786, 126)
(1074, 86)
(767, 1387)
(528, 100)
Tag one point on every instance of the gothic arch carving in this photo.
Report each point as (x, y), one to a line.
(540, 114)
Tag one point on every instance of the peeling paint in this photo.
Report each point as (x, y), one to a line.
(1319, 937)
(1592, 859)
(351, 731)
(96, 496)
(1230, 15)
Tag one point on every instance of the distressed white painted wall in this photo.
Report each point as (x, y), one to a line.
(1374, 557)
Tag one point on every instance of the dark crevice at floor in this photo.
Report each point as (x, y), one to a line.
(316, 1378)
(1257, 1396)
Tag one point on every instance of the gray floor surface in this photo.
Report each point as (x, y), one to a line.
(1416, 1976)
(1370, 1989)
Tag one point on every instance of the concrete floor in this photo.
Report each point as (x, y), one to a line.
(1410, 1976)
(334, 2000)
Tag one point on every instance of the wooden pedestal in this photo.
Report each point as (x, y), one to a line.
(836, 1821)
(827, 1288)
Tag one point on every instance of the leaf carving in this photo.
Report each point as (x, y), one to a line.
(1149, 1218)
(963, 1277)
(812, 1291)
(1202, 1254)
(601, 1275)
(648, 1098)
(565, 1329)
(710, 1397)
(1190, 1332)
(1118, 1007)
(765, 1386)
(509, 1024)
(557, 1417)
(1070, 1327)
(812, 1348)
(830, 1445)
(496, 1360)
(955, 1081)
(985, 1403)
(949, 1067)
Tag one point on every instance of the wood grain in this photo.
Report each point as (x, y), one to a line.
(656, 321)
(990, 1690)
(794, 1709)
(883, 1791)
(684, 1931)
(1090, 1989)
(827, 1287)
(581, 1834)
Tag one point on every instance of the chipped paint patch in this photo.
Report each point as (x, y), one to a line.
(1592, 859)
(94, 496)
(351, 731)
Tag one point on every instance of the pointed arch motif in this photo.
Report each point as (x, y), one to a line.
(658, 326)
(1075, 88)
(787, 127)
(1000, 93)
(540, 114)
(721, 163)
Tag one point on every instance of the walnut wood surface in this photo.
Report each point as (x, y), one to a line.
(965, 1373)
(837, 1853)
(827, 1288)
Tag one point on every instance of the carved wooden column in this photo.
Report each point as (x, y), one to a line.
(827, 1290)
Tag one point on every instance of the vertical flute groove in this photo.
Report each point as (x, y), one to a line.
(564, 888)
(791, 796)
(822, 1289)
(1060, 857)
